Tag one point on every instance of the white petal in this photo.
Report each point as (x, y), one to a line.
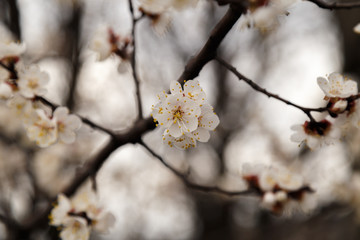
(201, 134)
(175, 88)
(73, 122)
(323, 84)
(104, 222)
(67, 137)
(175, 130)
(61, 113)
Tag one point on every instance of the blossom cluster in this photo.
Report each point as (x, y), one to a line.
(185, 115)
(20, 85)
(105, 43)
(264, 14)
(78, 216)
(341, 94)
(278, 187)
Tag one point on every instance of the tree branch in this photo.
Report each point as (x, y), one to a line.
(74, 27)
(188, 183)
(208, 52)
(133, 61)
(257, 88)
(335, 5)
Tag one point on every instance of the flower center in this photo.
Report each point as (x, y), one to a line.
(177, 115)
(33, 84)
(317, 128)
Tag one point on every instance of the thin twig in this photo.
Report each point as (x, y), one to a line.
(133, 60)
(188, 183)
(335, 5)
(257, 88)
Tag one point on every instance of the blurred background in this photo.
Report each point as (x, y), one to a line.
(147, 199)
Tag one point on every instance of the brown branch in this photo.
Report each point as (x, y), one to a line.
(257, 88)
(75, 27)
(188, 183)
(133, 61)
(335, 5)
(14, 21)
(208, 52)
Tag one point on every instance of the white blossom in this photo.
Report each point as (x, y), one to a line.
(357, 28)
(44, 130)
(32, 81)
(315, 134)
(80, 215)
(60, 211)
(67, 124)
(337, 86)
(265, 16)
(159, 11)
(178, 114)
(100, 43)
(75, 228)
(9, 48)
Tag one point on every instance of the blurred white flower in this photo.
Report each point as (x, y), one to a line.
(337, 86)
(75, 228)
(159, 11)
(31, 81)
(265, 15)
(357, 28)
(100, 43)
(316, 134)
(67, 124)
(60, 211)
(105, 42)
(4, 74)
(44, 130)
(80, 215)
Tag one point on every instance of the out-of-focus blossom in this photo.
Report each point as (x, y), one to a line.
(32, 81)
(105, 43)
(44, 130)
(316, 134)
(264, 15)
(159, 11)
(277, 186)
(67, 124)
(357, 28)
(78, 216)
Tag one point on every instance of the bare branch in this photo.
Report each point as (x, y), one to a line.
(208, 52)
(335, 5)
(74, 25)
(257, 88)
(133, 61)
(188, 183)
